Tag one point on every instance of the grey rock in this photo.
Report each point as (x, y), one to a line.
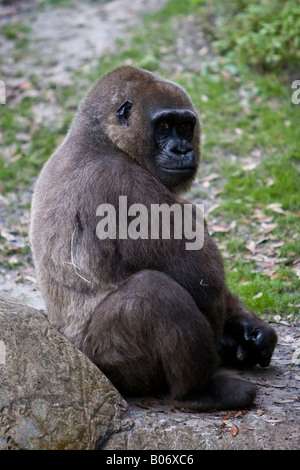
(51, 395)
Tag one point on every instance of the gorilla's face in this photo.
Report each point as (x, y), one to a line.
(174, 159)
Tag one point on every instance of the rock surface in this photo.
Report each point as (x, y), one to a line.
(51, 395)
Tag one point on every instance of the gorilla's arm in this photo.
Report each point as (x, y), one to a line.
(246, 339)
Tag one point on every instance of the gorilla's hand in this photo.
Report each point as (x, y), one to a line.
(247, 341)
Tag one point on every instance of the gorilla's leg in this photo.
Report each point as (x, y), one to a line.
(149, 335)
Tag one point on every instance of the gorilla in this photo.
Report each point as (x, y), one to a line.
(150, 313)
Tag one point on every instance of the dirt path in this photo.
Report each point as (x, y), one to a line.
(63, 39)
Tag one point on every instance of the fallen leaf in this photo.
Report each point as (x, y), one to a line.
(234, 430)
(266, 227)
(203, 51)
(211, 177)
(275, 276)
(232, 414)
(212, 208)
(250, 166)
(288, 339)
(142, 406)
(25, 86)
(269, 182)
(274, 421)
(23, 137)
(247, 110)
(266, 384)
(149, 403)
(277, 244)
(251, 246)
(256, 153)
(15, 158)
(276, 207)
(227, 423)
(219, 228)
(30, 279)
(282, 402)
(296, 357)
(225, 74)
(259, 214)
(257, 296)
(297, 271)
(247, 427)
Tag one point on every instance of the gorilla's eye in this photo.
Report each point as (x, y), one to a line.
(185, 127)
(164, 126)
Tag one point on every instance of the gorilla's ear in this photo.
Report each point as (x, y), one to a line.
(123, 112)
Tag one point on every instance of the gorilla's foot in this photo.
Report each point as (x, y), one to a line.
(225, 392)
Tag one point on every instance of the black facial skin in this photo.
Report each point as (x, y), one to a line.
(175, 160)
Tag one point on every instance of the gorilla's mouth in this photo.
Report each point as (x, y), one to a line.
(174, 175)
(181, 169)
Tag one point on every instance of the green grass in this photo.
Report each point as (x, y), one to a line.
(277, 295)
(264, 121)
(15, 30)
(57, 4)
(18, 32)
(17, 170)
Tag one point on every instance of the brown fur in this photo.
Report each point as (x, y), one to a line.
(149, 313)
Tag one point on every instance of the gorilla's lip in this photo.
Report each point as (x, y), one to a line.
(180, 169)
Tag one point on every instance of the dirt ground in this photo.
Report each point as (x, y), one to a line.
(63, 40)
